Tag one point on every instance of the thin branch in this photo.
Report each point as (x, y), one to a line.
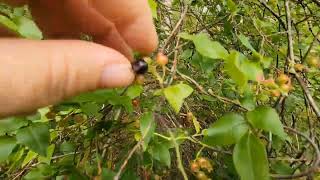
(175, 29)
(273, 13)
(315, 163)
(306, 91)
(290, 35)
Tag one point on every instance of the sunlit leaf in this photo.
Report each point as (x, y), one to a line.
(27, 28)
(176, 94)
(30, 156)
(153, 6)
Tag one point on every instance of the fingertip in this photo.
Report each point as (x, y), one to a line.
(117, 75)
(141, 35)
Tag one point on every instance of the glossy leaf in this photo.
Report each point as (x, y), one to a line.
(36, 137)
(226, 131)
(266, 118)
(250, 158)
(176, 94)
(147, 127)
(7, 144)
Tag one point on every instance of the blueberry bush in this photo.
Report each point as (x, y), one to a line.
(232, 93)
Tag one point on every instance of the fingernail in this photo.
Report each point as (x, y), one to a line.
(117, 75)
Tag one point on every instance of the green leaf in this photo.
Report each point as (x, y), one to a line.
(232, 66)
(226, 131)
(124, 101)
(47, 159)
(176, 94)
(206, 47)
(134, 91)
(7, 144)
(147, 127)
(161, 153)
(196, 124)
(42, 171)
(266, 118)
(153, 6)
(107, 174)
(90, 108)
(11, 124)
(252, 70)
(30, 156)
(27, 28)
(245, 41)
(67, 147)
(8, 23)
(232, 7)
(36, 137)
(250, 158)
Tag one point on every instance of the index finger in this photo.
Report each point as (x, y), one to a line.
(133, 20)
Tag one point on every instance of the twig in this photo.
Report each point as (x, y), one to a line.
(273, 13)
(290, 38)
(179, 160)
(306, 91)
(175, 29)
(311, 46)
(125, 162)
(316, 161)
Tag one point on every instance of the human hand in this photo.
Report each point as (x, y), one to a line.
(34, 74)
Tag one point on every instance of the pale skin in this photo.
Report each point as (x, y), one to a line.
(35, 74)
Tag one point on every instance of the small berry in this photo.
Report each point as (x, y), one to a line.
(201, 176)
(162, 59)
(286, 87)
(205, 164)
(140, 79)
(283, 79)
(275, 93)
(194, 167)
(140, 66)
(189, 116)
(135, 102)
(269, 83)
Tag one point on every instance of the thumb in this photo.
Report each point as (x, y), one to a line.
(34, 74)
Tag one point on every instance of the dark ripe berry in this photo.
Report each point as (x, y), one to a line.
(140, 66)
